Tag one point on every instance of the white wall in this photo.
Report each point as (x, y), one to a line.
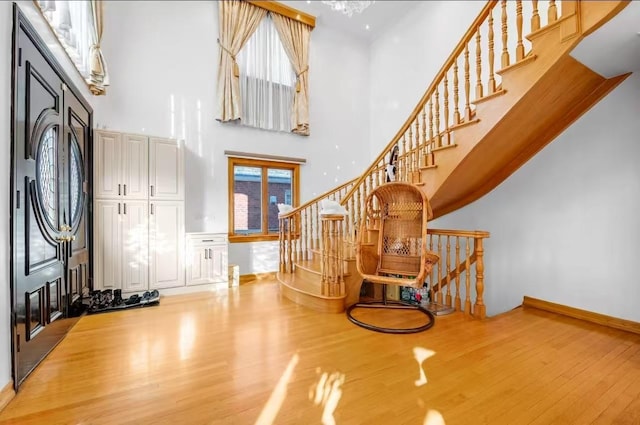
(6, 27)
(162, 58)
(406, 58)
(564, 228)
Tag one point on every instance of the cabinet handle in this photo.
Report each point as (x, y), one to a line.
(125, 207)
(210, 253)
(125, 189)
(151, 209)
(152, 190)
(206, 254)
(207, 240)
(118, 208)
(119, 189)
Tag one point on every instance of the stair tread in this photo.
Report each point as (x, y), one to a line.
(305, 286)
(313, 266)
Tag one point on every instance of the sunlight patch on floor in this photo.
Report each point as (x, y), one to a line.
(279, 393)
(327, 393)
(421, 354)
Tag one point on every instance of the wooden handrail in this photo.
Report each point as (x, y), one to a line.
(317, 199)
(471, 31)
(461, 233)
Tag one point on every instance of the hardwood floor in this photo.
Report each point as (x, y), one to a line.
(223, 357)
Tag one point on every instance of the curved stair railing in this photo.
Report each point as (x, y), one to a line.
(496, 35)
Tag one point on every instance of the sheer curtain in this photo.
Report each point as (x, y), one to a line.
(267, 80)
(75, 25)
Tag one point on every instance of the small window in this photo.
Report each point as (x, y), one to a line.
(256, 188)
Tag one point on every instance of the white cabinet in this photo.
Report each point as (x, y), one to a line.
(165, 169)
(166, 241)
(121, 168)
(206, 258)
(121, 245)
(138, 212)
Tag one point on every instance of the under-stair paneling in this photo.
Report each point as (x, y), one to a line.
(543, 96)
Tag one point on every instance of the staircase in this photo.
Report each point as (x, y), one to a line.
(473, 128)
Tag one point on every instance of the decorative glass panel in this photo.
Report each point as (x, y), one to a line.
(75, 181)
(47, 176)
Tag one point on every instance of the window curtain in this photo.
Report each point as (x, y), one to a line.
(98, 77)
(267, 80)
(295, 39)
(238, 21)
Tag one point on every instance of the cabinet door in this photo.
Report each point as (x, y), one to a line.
(135, 165)
(198, 267)
(107, 251)
(218, 263)
(107, 165)
(135, 243)
(165, 169)
(166, 241)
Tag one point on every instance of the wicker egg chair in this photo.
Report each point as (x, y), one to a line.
(392, 248)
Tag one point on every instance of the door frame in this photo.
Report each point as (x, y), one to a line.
(20, 22)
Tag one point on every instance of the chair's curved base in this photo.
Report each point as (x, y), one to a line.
(391, 305)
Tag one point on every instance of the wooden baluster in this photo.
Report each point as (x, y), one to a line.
(289, 247)
(479, 309)
(448, 275)
(282, 243)
(457, 301)
(416, 150)
(467, 87)
(535, 19)
(456, 98)
(479, 92)
(520, 46)
(407, 154)
(425, 161)
(318, 228)
(431, 122)
(438, 140)
(467, 295)
(432, 294)
(440, 290)
(492, 80)
(447, 140)
(505, 48)
(359, 203)
(552, 13)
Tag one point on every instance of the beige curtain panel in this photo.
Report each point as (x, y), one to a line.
(238, 21)
(295, 39)
(98, 76)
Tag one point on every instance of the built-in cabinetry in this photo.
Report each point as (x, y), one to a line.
(206, 258)
(138, 212)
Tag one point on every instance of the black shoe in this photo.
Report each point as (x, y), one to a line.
(117, 297)
(133, 299)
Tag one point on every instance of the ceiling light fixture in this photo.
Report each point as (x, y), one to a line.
(348, 7)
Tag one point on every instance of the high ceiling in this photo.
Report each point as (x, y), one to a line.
(377, 16)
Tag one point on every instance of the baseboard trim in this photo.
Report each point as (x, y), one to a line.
(7, 394)
(246, 278)
(588, 316)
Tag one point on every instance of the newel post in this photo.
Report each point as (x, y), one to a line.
(332, 255)
(479, 309)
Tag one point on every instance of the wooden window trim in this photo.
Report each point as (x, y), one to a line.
(284, 10)
(295, 195)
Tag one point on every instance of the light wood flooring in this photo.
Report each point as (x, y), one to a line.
(250, 356)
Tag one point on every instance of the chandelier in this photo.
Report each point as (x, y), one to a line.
(348, 7)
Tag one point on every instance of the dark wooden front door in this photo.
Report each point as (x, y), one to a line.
(50, 229)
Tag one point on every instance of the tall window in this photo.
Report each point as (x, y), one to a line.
(256, 188)
(72, 23)
(267, 80)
